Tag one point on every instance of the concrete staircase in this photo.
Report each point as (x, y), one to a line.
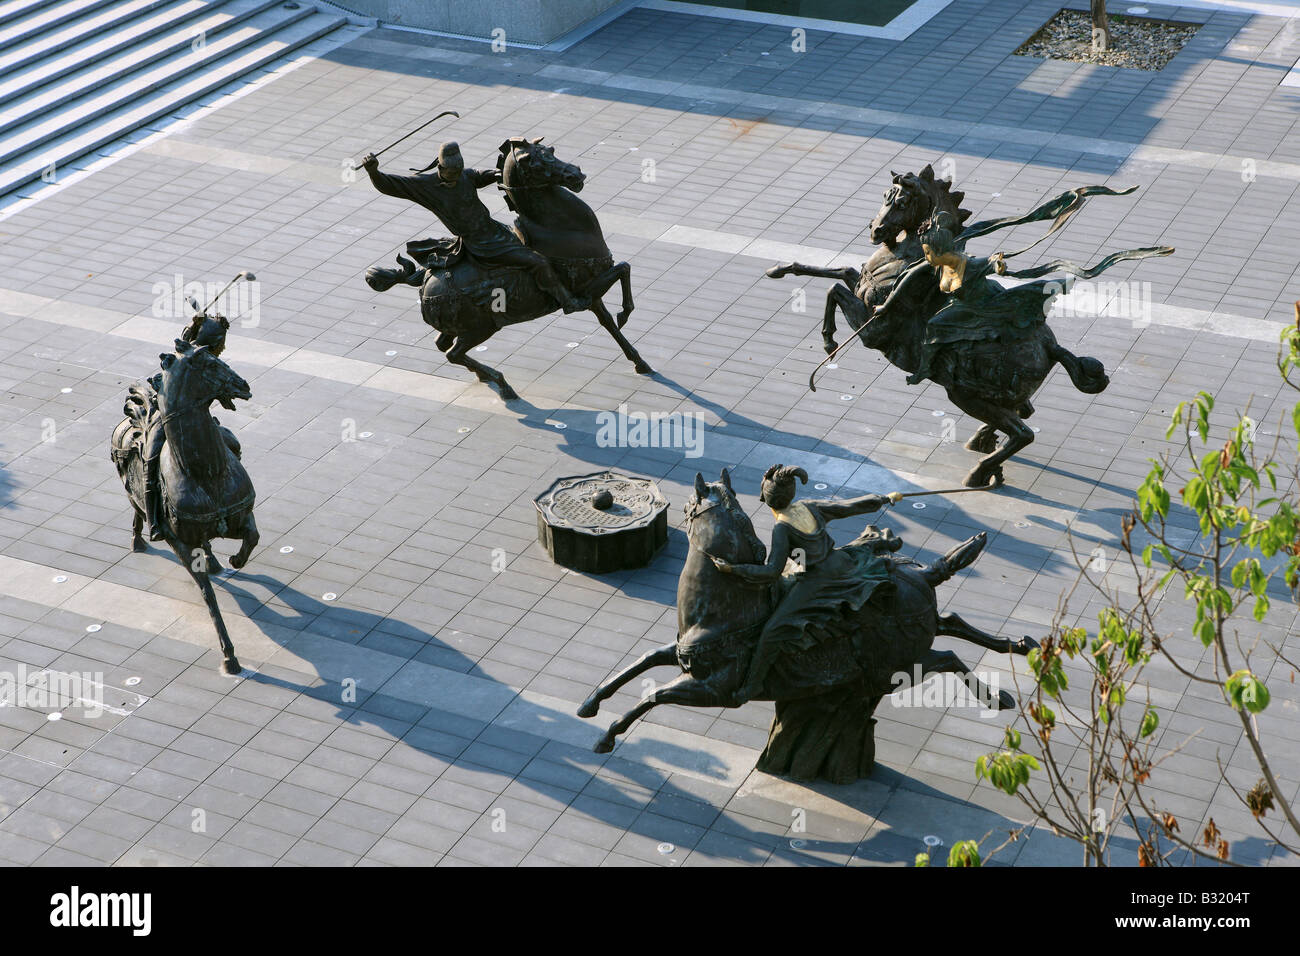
(76, 75)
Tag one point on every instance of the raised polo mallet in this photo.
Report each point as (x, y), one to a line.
(896, 496)
(204, 311)
(412, 133)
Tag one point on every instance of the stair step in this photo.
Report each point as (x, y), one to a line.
(93, 66)
(27, 164)
(14, 9)
(61, 41)
(35, 129)
(46, 18)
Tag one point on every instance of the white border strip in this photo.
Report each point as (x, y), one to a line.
(899, 28)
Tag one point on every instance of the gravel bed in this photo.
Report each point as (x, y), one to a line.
(1135, 42)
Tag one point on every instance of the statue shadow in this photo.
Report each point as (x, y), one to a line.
(668, 774)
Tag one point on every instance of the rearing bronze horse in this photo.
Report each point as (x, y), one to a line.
(469, 302)
(825, 694)
(999, 349)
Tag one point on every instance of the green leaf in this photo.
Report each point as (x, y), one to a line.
(964, 853)
(1245, 690)
(1150, 721)
(922, 859)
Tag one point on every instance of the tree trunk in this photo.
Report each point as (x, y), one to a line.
(827, 737)
(1100, 27)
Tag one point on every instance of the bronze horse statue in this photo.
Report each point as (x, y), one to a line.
(825, 694)
(470, 302)
(1000, 349)
(206, 493)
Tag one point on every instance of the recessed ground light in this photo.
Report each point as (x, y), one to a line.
(571, 345)
(932, 841)
(65, 390)
(93, 628)
(365, 434)
(480, 348)
(560, 425)
(461, 431)
(1023, 524)
(846, 398)
(833, 365)
(328, 596)
(59, 578)
(131, 681)
(54, 716)
(798, 844)
(287, 549)
(391, 352)
(820, 486)
(1137, 11)
(666, 848)
(938, 414)
(918, 505)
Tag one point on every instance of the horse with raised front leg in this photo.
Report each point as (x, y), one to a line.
(468, 301)
(206, 493)
(825, 694)
(998, 353)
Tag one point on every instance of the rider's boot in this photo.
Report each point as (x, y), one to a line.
(381, 279)
(551, 284)
(153, 499)
(959, 557)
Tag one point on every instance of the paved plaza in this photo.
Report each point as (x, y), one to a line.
(413, 658)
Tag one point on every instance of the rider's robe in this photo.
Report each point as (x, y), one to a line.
(459, 209)
(835, 582)
(982, 310)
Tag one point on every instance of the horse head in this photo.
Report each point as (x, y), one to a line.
(911, 200)
(193, 376)
(527, 164)
(717, 525)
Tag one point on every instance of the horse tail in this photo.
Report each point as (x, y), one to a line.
(1087, 374)
(962, 556)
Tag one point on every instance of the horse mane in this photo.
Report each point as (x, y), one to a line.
(938, 191)
(745, 527)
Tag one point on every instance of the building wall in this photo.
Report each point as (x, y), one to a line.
(525, 21)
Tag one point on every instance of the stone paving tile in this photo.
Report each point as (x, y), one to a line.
(429, 761)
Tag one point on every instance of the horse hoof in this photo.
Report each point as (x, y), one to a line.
(621, 319)
(775, 272)
(643, 369)
(230, 667)
(985, 446)
(829, 346)
(1026, 645)
(1006, 701)
(138, 546)
(508, 394)
(237, 561)
(589, 708)
(214, 566)
(604, 745)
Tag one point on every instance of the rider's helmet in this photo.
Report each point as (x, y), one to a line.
(450, 161)
(209, 330)
(778, 486)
